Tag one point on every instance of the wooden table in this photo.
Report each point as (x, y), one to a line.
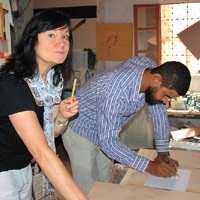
(132, 185)
(109, 191)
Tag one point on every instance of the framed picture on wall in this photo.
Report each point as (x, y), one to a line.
(114, 41)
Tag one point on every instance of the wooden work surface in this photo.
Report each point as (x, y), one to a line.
(132, 185)
(188, 160)
(109, 191)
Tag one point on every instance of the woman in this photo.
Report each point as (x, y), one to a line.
(31, 111)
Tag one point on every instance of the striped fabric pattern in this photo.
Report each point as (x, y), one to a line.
(108, 100)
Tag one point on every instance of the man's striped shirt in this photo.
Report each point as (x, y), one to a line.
(111, 98)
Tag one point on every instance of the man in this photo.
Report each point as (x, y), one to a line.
(106, 102)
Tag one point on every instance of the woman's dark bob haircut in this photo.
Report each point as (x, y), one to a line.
(23, 60)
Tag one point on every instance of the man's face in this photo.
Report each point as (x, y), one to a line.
(159, 95)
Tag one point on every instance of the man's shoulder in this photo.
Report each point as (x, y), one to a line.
(142, 61)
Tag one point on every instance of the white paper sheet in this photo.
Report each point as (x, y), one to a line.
(174, 183)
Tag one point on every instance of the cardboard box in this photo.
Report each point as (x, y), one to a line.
(190, 38)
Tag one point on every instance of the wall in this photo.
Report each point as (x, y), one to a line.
(108, 11)
(85, 35)
(117, 11)
(122, 12)
(195, 84)
(8, 22)
(26, 12)
(111, 11)
(62, 3)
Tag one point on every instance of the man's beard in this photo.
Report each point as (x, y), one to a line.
(150, 96)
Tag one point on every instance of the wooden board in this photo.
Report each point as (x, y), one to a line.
(185, 133)
(109, 191)
(114, 41)
(186, 159)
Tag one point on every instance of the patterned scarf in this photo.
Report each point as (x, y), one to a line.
(47, 95)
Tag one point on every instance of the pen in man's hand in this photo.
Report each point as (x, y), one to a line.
(177, 174)
(167, 161)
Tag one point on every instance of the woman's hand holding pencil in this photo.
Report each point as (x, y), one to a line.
(69, 107)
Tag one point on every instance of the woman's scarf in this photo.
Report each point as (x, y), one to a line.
(48, 95)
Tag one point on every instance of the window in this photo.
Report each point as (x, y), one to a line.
(174, 19)
(171, 19)
(147, 31)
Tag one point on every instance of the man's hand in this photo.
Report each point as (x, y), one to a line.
(162, 166)
(167, 159)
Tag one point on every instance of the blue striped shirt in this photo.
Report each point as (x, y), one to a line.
(111, 98)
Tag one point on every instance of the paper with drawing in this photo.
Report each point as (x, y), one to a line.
(174, 183)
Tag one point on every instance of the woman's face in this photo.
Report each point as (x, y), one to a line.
(52, 47)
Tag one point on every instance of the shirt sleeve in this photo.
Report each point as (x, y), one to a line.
(160, 123)
(15, 96)
(110, 112)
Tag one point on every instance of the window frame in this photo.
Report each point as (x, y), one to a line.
(157, 29)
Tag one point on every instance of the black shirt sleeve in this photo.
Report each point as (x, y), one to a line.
(15, 96)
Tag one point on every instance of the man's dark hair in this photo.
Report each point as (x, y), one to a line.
(175, 76)
(22, 62)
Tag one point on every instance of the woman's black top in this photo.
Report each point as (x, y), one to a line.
(15, 96)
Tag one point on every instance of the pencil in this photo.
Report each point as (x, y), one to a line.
(73, 90)
(177, 174)
(168, 163)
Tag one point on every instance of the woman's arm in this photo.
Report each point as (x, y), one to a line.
(28, 128)
(63, 112)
